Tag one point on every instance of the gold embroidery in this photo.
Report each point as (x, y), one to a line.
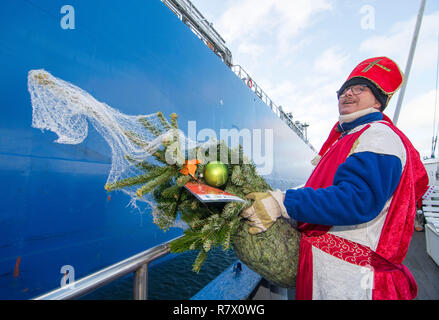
(316, 160)
(375, 63)
(354, 147)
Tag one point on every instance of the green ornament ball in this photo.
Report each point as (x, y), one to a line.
(216, 174)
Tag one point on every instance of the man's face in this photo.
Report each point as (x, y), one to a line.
(356, 98)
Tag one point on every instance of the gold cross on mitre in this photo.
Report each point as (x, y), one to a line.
(375, 63)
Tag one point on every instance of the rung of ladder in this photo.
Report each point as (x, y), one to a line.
(431, 215)
(430, 209)
(432, 192)
(436, 191)
(434, 202)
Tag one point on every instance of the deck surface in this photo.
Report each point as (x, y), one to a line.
(423, 268)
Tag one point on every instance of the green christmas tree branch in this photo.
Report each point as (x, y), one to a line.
(150, 185)
(210, 225)
(163, 121)
(131, 181)
(149, 126)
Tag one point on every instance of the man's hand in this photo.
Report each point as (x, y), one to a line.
(265, 210)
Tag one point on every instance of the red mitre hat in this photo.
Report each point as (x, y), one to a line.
(382, 72)
(384, 78)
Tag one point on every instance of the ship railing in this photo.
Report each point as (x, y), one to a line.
(137, 264)
(295, 126)
(193, 18)
(244, 76)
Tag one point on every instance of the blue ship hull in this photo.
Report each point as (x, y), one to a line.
(139, 58)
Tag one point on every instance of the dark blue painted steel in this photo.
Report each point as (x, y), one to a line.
(137, 57)
(232, 284)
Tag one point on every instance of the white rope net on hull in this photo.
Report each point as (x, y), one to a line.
(65, 109)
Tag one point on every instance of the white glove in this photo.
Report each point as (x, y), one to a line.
(265, 210)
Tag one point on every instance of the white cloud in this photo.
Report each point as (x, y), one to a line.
(249, 23)
(313, 103)
(416, 118)
(284, 18)
(396, 43)
(294, 17)
(276, 43)
(252, 51)
(417, 121)
(331, 61)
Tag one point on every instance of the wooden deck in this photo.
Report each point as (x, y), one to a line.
(424, 269)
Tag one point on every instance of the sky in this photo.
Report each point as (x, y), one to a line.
(301, 51)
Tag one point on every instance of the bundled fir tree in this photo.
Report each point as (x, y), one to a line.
(273, 254)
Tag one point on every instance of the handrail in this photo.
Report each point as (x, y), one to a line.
(299, 128)
(194, 19)
(137, 264)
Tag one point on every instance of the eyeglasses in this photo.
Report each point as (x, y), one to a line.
(356, 90)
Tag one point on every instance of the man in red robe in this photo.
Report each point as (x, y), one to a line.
(356, 212)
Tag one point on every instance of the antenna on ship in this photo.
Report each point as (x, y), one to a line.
(410, 60)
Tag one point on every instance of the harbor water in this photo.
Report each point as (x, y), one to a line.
(171, 279)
